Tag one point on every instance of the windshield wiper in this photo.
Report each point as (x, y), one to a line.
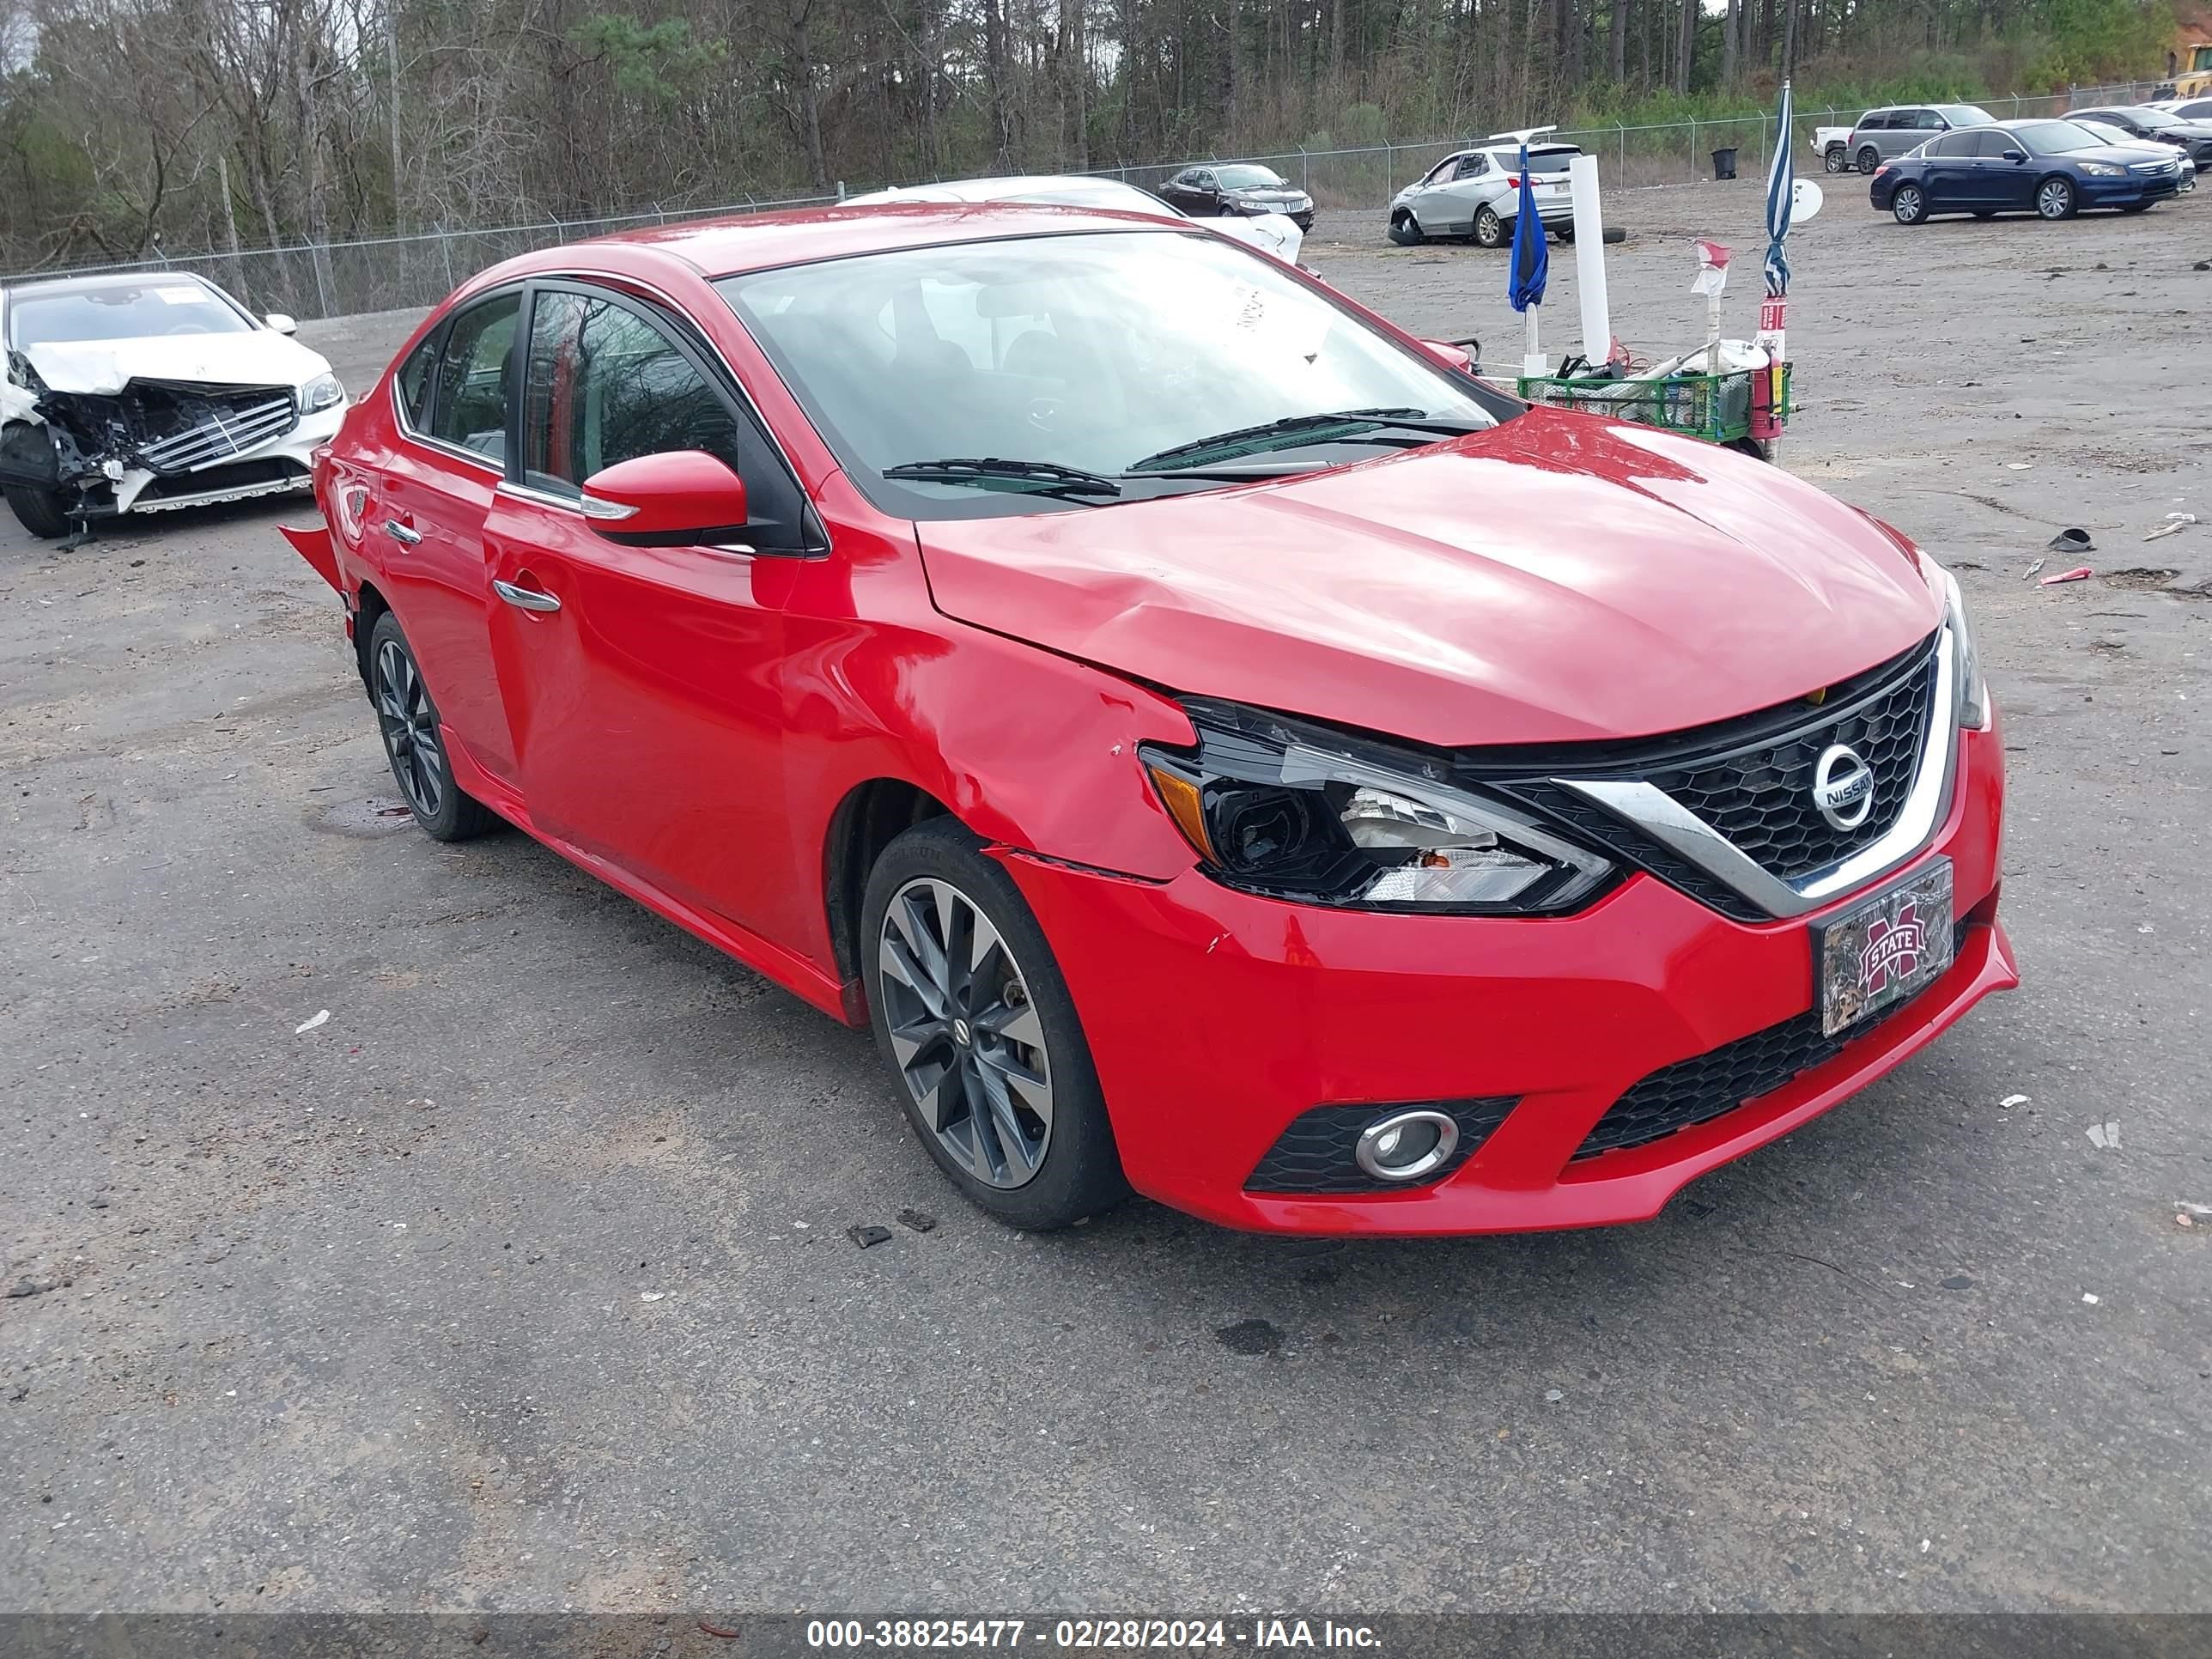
(1295, 430)
(991, 473)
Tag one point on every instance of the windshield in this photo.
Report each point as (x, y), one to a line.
(1091, 351)
(1247, 177)
(1965, 115)
(2056, 138)
(119, 311)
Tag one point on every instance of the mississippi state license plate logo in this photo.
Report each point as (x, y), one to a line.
(1892, 950)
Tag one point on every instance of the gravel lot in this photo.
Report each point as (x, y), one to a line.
(521, 1282)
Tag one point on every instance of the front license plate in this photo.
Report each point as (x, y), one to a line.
(1885, 948)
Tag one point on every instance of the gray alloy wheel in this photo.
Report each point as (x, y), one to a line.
(407, 719)
(969, 1009)
(1869, 158)
(2054, 198)
(1835, 160)
(969, 1046)
(1489, 229)
(1909, 206)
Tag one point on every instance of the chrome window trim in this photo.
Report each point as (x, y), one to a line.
(1666, 820)
(400, 408)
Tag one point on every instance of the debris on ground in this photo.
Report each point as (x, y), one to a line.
(2186, 1214)
(2106, 1135)
(2079, 574)
(2090, 1297)
(2034, 569)
(20, 1393)
(651, 1295)
(2072, 539)
(1958, 1282)
(27, 1287)
(2175, 521)
(307, 1025)
(868, 1238)
(2011, 1101)
(920, 1221)
(1554, 1395)
(2018, 466)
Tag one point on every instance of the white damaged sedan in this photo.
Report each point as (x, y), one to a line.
(156, 390)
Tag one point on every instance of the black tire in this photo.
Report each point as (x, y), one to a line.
(39, 511)
(2057, 198)
(1077, 1172)
(1406, 231)
(1490, 230)
(407, 719)
(1565, 235)
(1909, 204)
(1836, 159)
(1869, 158)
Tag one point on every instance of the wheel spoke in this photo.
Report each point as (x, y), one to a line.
(1004, 1123)
(899, 961)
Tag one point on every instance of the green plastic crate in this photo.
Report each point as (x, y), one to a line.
(1714, 407)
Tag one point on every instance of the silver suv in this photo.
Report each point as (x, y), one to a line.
(1476, 193)
(1882, 134)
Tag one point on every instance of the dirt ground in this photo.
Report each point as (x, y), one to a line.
(521, 1281)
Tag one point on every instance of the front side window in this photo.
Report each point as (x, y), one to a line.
(416, 375)
(469, 407)
(1095, 351)
(1927, 120)
(121, 311)
(1446, 168)
(1473, 167)
(603, 385)
(1993, 144)
(2057, 137)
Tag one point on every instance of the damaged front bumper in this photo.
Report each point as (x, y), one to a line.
(158, 444)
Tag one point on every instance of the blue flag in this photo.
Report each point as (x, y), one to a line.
(1532, 260)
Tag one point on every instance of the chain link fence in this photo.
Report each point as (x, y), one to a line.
(342, 278)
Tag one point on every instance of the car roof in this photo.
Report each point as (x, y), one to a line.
(728, 247)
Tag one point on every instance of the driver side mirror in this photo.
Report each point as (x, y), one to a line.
(684, 498)
(281, 322)
(2015, 155)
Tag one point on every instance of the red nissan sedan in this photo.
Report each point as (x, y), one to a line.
(1223, 748)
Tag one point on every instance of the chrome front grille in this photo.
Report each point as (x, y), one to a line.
(230, 424)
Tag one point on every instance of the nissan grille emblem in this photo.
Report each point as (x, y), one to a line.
(1843, 786)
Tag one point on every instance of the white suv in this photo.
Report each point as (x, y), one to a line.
(1476, 193)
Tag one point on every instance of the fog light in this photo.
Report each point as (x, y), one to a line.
(1407, 1145)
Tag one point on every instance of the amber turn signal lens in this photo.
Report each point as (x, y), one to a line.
(1180, 796)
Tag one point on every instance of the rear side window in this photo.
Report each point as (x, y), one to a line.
(414, 378)
(1874, 121)
(470, 408)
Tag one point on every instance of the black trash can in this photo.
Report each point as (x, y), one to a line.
(1724, 162)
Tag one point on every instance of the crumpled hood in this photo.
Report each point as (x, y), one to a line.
(1560, 577)
(103, 368)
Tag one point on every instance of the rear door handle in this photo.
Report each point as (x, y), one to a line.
(525, 598)
(400, 533)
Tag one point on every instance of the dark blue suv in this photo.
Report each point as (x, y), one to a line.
(2053, 168)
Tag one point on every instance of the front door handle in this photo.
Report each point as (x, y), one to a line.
(400, 533)
(525, 598)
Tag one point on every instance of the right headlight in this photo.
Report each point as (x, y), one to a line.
(1275, 807)
(1974, 702)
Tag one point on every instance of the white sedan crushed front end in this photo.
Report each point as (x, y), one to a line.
(194, 401)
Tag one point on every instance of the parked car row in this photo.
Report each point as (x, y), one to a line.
(2052, 167)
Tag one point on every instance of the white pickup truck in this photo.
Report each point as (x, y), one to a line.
(1829, 144)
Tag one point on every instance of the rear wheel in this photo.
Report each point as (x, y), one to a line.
(970, 1010)
(415, 743)
(1490, 230)
(1837, 159)
(1869, 158)
(39, 511)
(2055, 199)
(1909, 206)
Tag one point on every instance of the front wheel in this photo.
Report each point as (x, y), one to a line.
(1909, 206)
(1869, 158)
(2054, 199)
(1489, 229)
(415, 742)
(39, 511)
(969, 1009)
(1836, 159)
(1406, 231)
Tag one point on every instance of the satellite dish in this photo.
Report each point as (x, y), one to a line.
(1804, 201)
